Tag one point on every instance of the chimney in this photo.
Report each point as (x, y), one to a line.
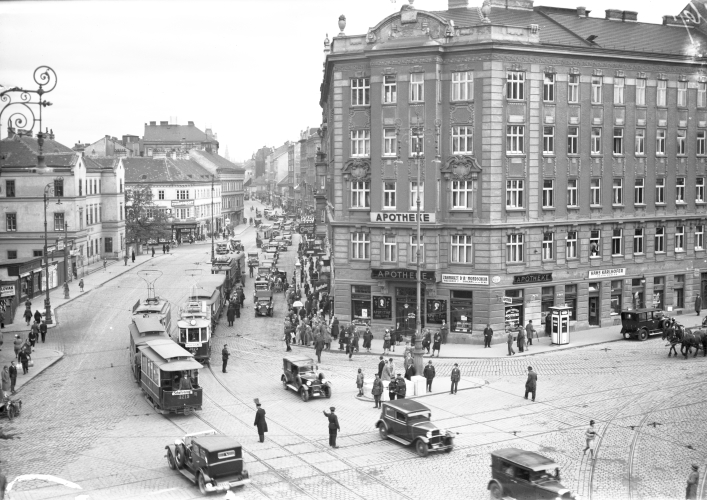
(672, 21)
(457, 4)
(582, 11)
(153, 123)
(630, 16)
(191, 124)
(164, 123)
(51, 134)
(512, 4)
(614, 14)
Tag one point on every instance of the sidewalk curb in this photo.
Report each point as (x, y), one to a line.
(38, 373)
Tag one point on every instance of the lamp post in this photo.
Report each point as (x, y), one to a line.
(48, 191)
(212, 217)
(418, 352)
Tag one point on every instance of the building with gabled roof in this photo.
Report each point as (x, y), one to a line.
(107, 146)
(167, 139)
(231, 178)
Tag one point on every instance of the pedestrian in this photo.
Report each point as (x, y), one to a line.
(488, 335)
(429, 373)
(153, 251)
(28, 316)
(250, 269)
(509, 341)
(17, 344)
(692, 481)
(590, 435)
(13, 376)
(164, 249)
(333, 426)
(132, 254)
(520, 338)
(444, 331)
(529, 332)
(224, 356)
(33, 335)
(409, 365)
(698, 304)
(43, 330)
(231, 313)
(260, 421)
(531, 383)
(359, 382)
(377, 390)
(436, 344)
(386, 342)
(2, 324)
(105, 263)
(367, 338)
(66, 290)
(37, 316)
(237, 310)
(426, 341)
(356, 336)
(167, 248)
(401, 386)
(548, 325)
(5, 382)
(381, 365)
(318, 348)
(24, 358)
(392, 388)
(456, 376)
(81, 285)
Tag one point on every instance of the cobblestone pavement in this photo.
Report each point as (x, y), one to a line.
(85, 420)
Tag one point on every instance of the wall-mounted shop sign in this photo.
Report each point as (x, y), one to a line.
(532, 278)
(401, 274)
(425, 218)
(7, 291)
(465, 279)
(382, 307)
(182, 203)
(607, 273)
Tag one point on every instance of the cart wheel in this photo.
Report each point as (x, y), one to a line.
(383, 432)
(170, 460)
(180, 455)
(421, 448)
(202, 484)
(304, 394)
(643, 334)
(495, 492)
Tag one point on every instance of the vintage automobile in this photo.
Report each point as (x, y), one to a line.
(10, 408)
(641, 323)
(253, 259)
(281, 245)
(222, 248)
(213, 462)
(525, 475)
(271, 253)
(408, 422)
(287, 237)
(263, 303)
(298, 374)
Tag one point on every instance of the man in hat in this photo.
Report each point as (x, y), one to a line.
(531, 383)
(333, 426)
(401, 386)
(260, 421)
(456, 375)
(692, 481)
(224, 356)
(429, 374)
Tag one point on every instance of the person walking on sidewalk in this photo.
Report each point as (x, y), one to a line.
(456, 376)
(444, 331)
(24, 359)
(37, 316)
(488, 335)
(590, 435)
(66, 291)
(28, 316)
(17, 345)
(43, 330)
(13, 376)
(509, 341)
(81, 285)
(359, 382)
(367, 338)
(436, 344)
(333, 426)
(153, 251)
(224, 357)
(429, 374)
(698, 304)
(693, 480)
(531, 383)
(386, 342)
(260, 421)
(529, 332)
(377, 390)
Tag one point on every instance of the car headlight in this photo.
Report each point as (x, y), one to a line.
(323, 381)
(309, 382)
(429, 434)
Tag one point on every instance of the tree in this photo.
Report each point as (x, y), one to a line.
(143, 219)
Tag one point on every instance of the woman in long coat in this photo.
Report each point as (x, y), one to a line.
(6, 382)
(231, 313)
(334, 328)
(367, 337)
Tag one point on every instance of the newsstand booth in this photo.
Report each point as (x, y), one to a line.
(560, 324)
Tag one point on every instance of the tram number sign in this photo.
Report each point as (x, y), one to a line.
(192, 344)
(182, 394)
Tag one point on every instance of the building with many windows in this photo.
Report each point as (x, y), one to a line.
(231, 178)
(562, 161)
(173, 140)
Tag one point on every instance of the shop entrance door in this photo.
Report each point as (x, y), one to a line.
(593, 311)
(406, 309)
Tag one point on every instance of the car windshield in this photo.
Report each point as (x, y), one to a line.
(414, 418)
(305, 369)
(541, 476)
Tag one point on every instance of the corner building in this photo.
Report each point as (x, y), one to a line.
(563, 162)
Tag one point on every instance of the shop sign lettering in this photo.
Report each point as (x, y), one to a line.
(401, 274)
(7, 291)
(607, 273)
(532, 278)
(429, 218)
(465, 279)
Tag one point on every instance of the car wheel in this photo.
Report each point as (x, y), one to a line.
(284, 383)
(202, 484)
(382, 431)
(170, 460)
(304, 394)
(327, 392)
(180, 455)
(643, 334)
(421, 448)
(625, 335)
(495, 492)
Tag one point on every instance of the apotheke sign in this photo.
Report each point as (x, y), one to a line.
(465, 279)
(401, 274)
(394, 217)
(607, 273)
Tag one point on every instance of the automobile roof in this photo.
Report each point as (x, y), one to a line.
(407, 405)
(217, 443)
(263, 293)
(298, 360)
(528, 459)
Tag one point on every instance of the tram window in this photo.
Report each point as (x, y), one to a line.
(204, 335)
(193, 335)
(182, 335)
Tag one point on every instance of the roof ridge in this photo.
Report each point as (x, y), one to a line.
(565, 28)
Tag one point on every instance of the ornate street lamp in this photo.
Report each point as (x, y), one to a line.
(48, 191)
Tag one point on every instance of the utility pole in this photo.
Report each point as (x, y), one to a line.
(66, 258)
(212, 217)
(418, 352)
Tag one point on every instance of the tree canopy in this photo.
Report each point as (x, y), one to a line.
(144, 220)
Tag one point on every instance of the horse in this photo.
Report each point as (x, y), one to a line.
(696, 339)
(674, 334)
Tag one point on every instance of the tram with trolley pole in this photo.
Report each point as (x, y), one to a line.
(143, 329)
(154, 305)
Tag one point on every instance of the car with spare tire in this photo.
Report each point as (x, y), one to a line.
(299, 374)
(408, 422)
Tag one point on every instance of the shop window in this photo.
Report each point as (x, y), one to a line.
(571, 300)
(616, 296)
(595, 243)
(361, 302)
(547, 300)
(514, 308)
(436, 311)
(679, 287)
(658, 292)
(461, 311)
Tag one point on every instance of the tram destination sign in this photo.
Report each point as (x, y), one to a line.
(532, 278)
(394, 217)
(401, 274)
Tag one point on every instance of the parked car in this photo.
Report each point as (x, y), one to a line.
(287, 238)
(298, 374)
(213, 462)
(525, 475)
(253, 259)
(641, 323)
(263, 303)
(408, 422)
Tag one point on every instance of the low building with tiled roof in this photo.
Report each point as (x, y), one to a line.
(85, 208)
(168, 139)
(231, 177)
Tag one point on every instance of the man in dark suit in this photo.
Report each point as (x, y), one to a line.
(531, 383)
(488, 335)
(260, 421)
(333, 426)
(381, 365)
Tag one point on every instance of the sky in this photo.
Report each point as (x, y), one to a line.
(248, 69)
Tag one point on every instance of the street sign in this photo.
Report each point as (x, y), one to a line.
(507, 300)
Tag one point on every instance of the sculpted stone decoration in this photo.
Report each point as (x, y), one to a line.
(461, 168)
(409, 22)
(359, 169)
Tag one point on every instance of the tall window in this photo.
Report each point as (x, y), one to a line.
(549, 87)
(160, 194)
(638, 240)
(639, 191)
(58, 188)
(640, 92)
(360, 91)
(417, 140)
(700, 190)
(462, 194)
(360, 194)
(360, 142)
(617, 242)
(463, 140)
(680, 190)
(417, 87)
(596, 89)
(515, 139)
(662, 93)
(80, 187)
(548, 193)
(58, 221)
(617, 192)
(360, 246)
(682, 142)
(413, 249)
(618, 141)
(619, 84)
(594, 243)
(413, 195)
(596, 140)
(10, 188)
(571, 245)
(680, 239)
(390, 248)
(659, 239)
(572, 140)
(682, 94)
(514, 193)
(640, 141)
(515, 85)
(548, 248)
(390, 142)
(701, 134)
(11, 222)
(461, 248)
(549, 140)
(701, 95)
(182, 194)
(573, 89)
(595, 192)
(699, 237)
(660, 141)
(514, 248)
(660, 190)
(389, 195)
(572, 199)
(390, 90)
(462, 85)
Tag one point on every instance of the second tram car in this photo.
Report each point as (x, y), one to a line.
(156, 306)
(143, 329)
(194, 330)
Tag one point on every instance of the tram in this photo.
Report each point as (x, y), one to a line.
(194, 330)
(154, 305)
(169, 377)
(211, 290)
(143, 329)
(230, 267)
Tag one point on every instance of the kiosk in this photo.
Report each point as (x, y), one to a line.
(560, 332)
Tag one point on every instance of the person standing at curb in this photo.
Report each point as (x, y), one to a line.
(590, 435)
(531, 383)
(401, 386)
(521, 338)
(13, 376)
(260, 421)
(153, 251)
(456, 375)
(509, 341)
(333, 426)
(381, 366)
(698, 304)
(224, 356)
(429, 374)
(444, 331)
(436, 344)
(377, 390)
(359, 382)
(693, 480)
(386, 342)
(488, 335)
